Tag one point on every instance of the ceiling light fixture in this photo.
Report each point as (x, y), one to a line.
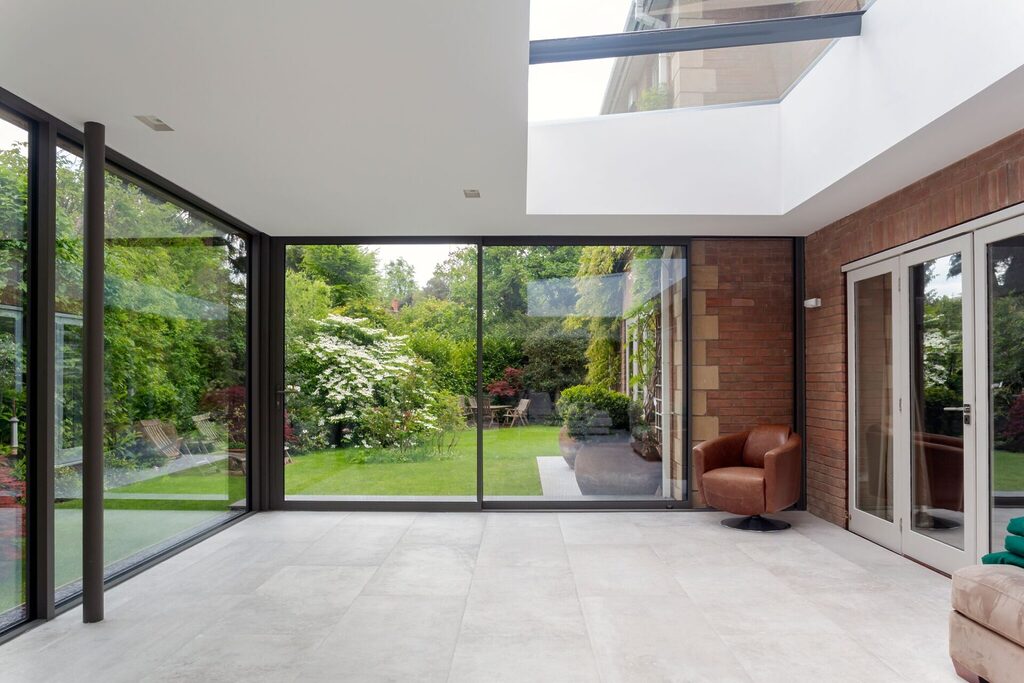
(154, 122)
(471, 194)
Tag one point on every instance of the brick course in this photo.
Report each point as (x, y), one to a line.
(988, 180)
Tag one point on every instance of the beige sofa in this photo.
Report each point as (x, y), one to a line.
(986, 626)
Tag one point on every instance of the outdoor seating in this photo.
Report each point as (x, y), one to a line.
(164, 437)
(211, 437)
(517, 414)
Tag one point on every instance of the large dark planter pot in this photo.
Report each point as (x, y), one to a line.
(612, 469)
(569, 447)
(646, 450)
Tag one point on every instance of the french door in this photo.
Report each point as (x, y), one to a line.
(912, 386)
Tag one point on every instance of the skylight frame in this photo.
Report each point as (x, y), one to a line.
(690, 38)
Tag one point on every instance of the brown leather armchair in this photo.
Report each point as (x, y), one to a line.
(750, 473)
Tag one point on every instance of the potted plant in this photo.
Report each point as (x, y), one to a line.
(590, 413)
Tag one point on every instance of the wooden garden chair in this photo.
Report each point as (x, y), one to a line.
(209, 433)
(517, 414)
(164, 437)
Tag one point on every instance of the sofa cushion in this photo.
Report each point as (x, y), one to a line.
(739, 490)
(993, 596)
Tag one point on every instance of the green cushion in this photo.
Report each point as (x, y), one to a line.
(1003, 558)
(1015, 544)
(1016, 526)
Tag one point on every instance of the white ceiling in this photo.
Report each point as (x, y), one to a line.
(313, 117)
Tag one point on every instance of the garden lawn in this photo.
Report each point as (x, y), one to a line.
(1008, 471)
(510, 468)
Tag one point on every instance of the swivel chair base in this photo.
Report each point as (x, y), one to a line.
(755, 523)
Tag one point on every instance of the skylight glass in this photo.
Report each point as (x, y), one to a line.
(573, 18)
(618, 85)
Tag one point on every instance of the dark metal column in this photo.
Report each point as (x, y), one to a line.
(480, 373)
(799, 368)
(40, 329)
(92, 377)
(271, 327)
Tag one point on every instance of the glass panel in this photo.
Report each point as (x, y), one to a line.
(1006, 378)
(68, 376)
(874, 439)
(584, 372)
(937, 395)
(571, 18)
(380, 368)
(175, 362)
(13, 418)
(724, 76)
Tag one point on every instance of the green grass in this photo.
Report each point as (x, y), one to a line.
(510, 469)
(203, 479)
(1008, 471)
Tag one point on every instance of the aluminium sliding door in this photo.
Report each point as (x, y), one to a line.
(380, 372)
(465, 375)
(584, 373)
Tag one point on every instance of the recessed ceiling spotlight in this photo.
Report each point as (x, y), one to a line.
(471, 194)
(154, 122)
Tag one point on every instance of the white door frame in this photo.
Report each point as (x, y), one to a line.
(920, 546)
(982, 239)
(882, 531)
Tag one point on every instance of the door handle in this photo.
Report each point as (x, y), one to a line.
(965, 409)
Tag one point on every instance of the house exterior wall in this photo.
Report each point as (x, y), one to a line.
(988, 180)
(742, 355)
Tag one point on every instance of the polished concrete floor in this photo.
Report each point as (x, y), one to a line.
(360, 596)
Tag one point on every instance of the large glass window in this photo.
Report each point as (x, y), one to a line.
(668, 79)
(584, 372)
(13, 418)
(673, 80)
(1006, 372)
(176, 380)
(380, 371)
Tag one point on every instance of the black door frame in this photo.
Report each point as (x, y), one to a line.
(274, 467)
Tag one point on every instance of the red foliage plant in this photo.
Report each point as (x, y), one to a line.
(510, 386)
(1012, 433)
(227, 406)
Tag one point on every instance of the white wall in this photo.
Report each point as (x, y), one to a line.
(681, 161)
(915, 61)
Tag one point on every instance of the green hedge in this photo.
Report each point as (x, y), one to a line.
(581, 404)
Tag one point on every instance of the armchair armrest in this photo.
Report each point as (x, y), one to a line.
(725, 451)
(782, 475)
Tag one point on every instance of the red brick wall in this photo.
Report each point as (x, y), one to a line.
(754, 349)
(742, 354)
(986, 181)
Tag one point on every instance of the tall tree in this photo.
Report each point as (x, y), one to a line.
(349, 270)
(399, 282)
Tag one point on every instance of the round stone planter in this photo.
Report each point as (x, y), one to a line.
(613, 469)
(569, 447)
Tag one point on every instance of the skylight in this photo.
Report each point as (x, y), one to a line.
(596, 57)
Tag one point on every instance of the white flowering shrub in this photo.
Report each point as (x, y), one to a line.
(370, 384)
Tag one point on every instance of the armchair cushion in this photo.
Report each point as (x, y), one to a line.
(762, 439)
(783, 472)
(739, 490)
